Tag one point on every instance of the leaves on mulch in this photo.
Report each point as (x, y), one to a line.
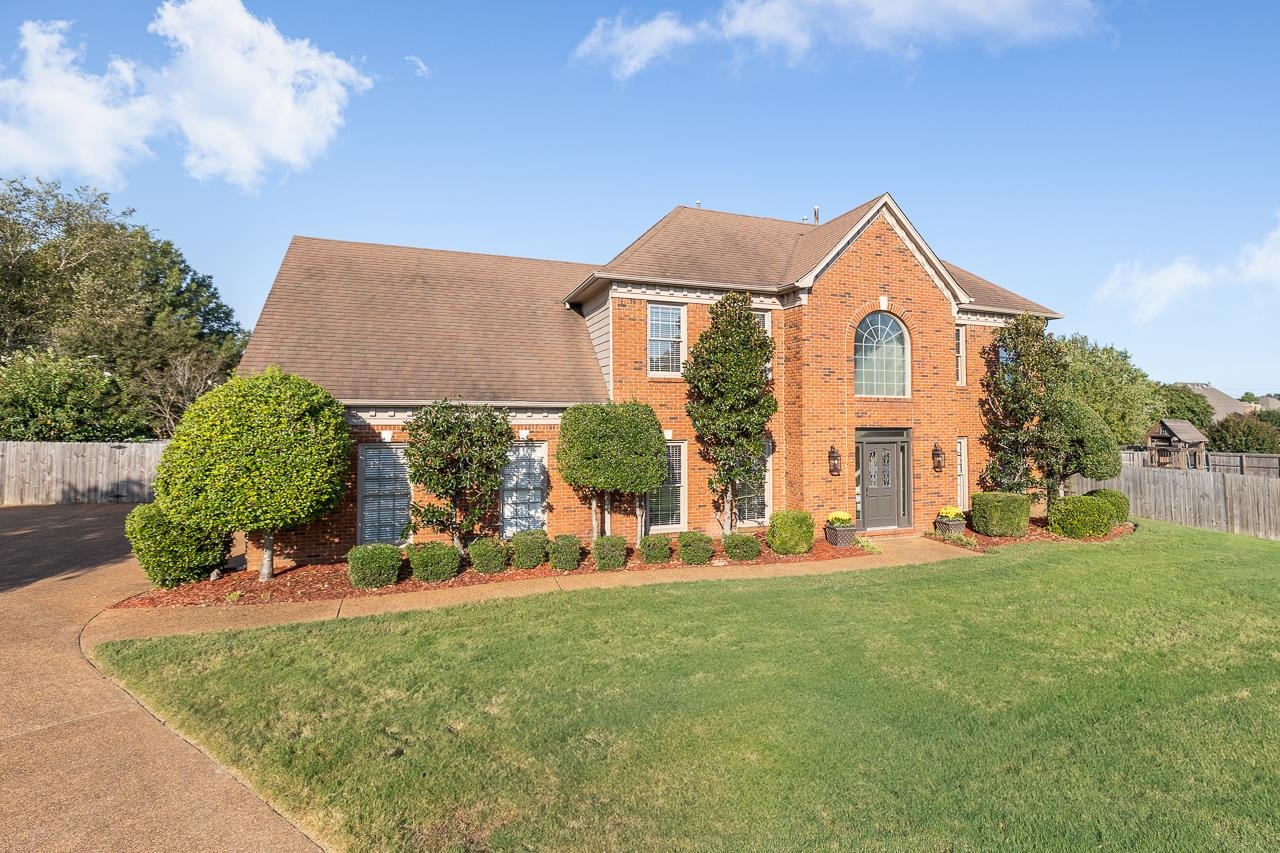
(1038, 531)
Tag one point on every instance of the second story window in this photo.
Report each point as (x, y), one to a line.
(880, 366)
(666, 339)
(960, 356)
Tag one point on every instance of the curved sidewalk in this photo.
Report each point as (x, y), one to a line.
(129, 623)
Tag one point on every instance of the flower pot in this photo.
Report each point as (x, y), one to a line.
(840, 537)
(949, 526)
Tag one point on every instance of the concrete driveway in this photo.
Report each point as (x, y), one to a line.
(82, 765)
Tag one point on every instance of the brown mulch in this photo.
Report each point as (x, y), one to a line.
(1038, 531)
(325, 582)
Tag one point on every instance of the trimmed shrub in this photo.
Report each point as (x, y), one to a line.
(170, 553)
(566, 552)
(371, 566)
(610, 552)
(1001, 513)
(655, 548)
(1081, 517)
(529, 549)
(790, 532)
(741, 546)
(694, 548)
(489, 556)
(434, 561)
(1118, 500)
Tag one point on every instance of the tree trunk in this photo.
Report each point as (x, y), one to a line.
(728, 510)
(642, 514)
(266, 569)
(608, 513)
(595, 516)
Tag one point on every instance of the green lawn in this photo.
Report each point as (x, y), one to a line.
(1113, 696)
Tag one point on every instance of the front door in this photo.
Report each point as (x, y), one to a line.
(880, 486)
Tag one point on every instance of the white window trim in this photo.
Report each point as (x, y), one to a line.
(542, 449)
(906, 336)
(684, 494)
(360, 452)
(962, 356)
(684, 338)
(768, 488)
(962, 472)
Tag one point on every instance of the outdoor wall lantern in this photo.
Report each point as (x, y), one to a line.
(833, 461)
(939, 458)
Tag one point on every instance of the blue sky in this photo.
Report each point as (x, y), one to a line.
(1119, 162)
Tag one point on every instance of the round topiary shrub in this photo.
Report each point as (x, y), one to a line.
(372, 566)
(655, 548)
(1000, 513)
(694, 548)
(565, 552)
(433, 561)
(741, 546)
(1081, 517)
(170, 553)
(529, 549)
(610, 552)
(1119, 502)
(488, 556)
(790, 532)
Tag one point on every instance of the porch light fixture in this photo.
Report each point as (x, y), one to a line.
(939, 458)
(833, 461)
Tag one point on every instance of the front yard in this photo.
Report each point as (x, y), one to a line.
(1058, 696)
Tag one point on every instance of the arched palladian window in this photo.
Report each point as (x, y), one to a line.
(880, 356)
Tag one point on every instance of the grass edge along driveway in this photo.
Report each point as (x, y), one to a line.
(1062, 696)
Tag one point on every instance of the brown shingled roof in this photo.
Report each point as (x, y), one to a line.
(390, 324)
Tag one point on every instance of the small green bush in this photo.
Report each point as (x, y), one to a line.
(1000, 513)
(741, 546)
(371, 566)
(488, 556)
(1081, 517)
(1118, 500)
(566, 552)
(529, 549)
(694, 548)
(790, 532)
(655, 548)
(170, 553)
(610, 552)
(434, 561)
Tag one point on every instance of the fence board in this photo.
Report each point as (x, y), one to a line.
(48, 472)
(1213, 500)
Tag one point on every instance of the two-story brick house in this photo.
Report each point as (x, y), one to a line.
(876, 369)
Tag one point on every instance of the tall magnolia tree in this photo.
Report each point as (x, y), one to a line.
(730, 398)
(608, 448)
(261, 454)
(456, 453)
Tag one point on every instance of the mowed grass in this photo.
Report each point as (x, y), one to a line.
(1053, 697)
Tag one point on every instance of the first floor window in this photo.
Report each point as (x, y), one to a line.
(524, 488)
(962, 473)
(666, 503)
(751, 502)
(383, 494)
(666, 339)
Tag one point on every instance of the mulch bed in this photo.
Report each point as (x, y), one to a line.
(1038, 531)
(329, 581)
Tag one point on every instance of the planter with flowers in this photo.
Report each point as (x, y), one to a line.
(840, 531)
(950, 521)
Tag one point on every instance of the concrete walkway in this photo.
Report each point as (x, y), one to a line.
(82, 765)
(153, 622)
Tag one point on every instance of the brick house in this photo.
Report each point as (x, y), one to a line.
(876, 370)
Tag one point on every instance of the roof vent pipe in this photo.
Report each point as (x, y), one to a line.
(815, 214)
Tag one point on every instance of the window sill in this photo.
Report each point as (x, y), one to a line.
(881, 397)
(666, 376)
(668, 528)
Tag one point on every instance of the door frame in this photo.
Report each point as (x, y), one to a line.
(902, 437)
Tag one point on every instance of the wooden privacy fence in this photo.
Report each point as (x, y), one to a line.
(1254, 464)
(71, 472)
(1213, 500)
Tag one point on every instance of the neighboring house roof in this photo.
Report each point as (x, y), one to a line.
(1269, 403)
(1184, 431)
(1222, 403)
(390, 324)
(708, 246)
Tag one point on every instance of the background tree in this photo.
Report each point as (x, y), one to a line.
(50, 397)
(456, 452)
(1072, 438)
(1180, 402)
(1120, 392)
(1269, 416)
(1248, 397)
(730, 398)
(261, 454)
(1238, 433)
(612, 447)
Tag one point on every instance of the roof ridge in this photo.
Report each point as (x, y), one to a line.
(748, 216)
(648, 235)
(440, 251)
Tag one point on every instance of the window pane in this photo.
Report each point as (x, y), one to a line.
(384, 494)
(880, 357)
(666, 335)
(665, 501)
(524, 489)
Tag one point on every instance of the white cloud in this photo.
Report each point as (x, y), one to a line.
(795, 26)
(243, 96)
(419, 67)
(1149, 291)
(629, 48)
